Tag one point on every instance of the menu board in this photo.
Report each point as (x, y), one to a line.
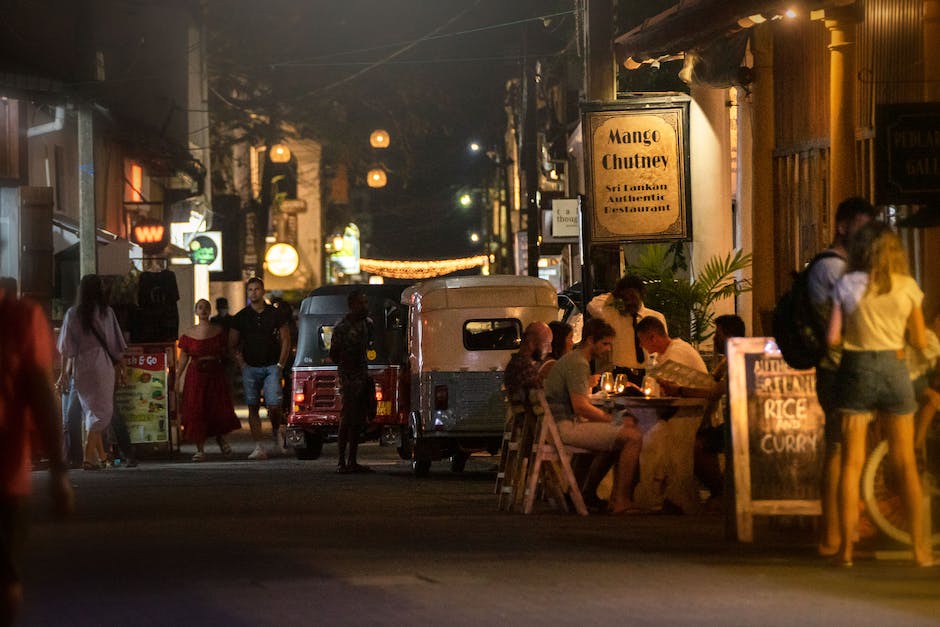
(776, 434)
(143, 401)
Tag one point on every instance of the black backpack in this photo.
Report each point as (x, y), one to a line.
(799, 330)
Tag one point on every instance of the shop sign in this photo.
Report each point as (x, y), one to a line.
(907, 144)
(143, 400)
(565, 221)
(637, 169)
(206, 249)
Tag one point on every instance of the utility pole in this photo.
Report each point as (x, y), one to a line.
(87, 227)
(530, 150)
(600, 84)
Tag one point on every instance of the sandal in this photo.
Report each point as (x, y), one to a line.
(343, 469)
(90, 466)
(199, 457)
(224, 446)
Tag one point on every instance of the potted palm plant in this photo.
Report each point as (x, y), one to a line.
(687, 303)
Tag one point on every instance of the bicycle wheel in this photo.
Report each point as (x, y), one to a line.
(882, 501)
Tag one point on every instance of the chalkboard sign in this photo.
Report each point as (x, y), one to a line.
(776, 434)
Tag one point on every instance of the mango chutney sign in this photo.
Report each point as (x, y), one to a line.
(638, 169)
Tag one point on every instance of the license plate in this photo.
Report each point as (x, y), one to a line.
(384, 408)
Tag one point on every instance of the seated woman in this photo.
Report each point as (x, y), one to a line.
(581, 424)
(562, 343)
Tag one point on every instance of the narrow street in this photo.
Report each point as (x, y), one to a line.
(288, 542)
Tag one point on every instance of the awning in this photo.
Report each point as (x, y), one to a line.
(691, 24)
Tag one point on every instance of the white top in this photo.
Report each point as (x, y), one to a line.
(623, 354)
(873, 322)
(683, 353)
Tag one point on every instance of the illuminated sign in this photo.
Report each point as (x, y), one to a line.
(150, 235)
(281, 260)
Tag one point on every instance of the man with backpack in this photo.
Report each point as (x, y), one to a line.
(822, 274)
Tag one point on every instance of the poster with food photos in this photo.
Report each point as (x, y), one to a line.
(143, 400)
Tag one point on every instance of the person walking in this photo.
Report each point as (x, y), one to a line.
(27, 408)
(623, 309)
(206, 406)
(352, 341)
(873, 304)
(260, 340)
(851, 215)
(93, 341)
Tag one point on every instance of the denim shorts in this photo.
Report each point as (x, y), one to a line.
(874, 381)
(257, 378)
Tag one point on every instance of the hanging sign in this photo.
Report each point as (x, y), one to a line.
(907, 145)
(637, 168)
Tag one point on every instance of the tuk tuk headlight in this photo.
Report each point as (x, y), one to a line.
(443, 419)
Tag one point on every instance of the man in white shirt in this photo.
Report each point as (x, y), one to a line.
(622, 309)
(667, 479)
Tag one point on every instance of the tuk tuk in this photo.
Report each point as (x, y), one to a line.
(461, 333)
(317, 402)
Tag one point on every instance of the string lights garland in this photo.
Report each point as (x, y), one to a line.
(394, 269)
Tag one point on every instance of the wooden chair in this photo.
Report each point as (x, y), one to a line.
(534, 460)
(518, 435)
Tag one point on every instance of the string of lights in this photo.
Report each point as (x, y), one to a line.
(395, 269)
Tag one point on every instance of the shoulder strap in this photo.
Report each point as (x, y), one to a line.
(101, 341)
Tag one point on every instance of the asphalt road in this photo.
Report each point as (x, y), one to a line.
(289, 542)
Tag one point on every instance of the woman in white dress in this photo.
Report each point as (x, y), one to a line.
(92, 345)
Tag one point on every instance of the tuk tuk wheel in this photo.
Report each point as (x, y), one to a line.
(313, 448)
(421, 467)
(406, 450)
(459, 461)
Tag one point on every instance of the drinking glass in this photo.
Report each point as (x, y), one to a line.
(620, 383)
(607, 382)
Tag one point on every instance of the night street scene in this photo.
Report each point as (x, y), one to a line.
(607, 312)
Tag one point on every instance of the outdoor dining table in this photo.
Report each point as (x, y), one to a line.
(669, 425)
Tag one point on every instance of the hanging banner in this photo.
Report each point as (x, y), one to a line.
(637, 168)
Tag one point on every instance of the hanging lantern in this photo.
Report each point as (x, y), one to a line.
(376, 178)
(379, 138)
(280, 153)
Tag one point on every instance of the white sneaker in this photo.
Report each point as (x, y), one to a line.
(258, 453)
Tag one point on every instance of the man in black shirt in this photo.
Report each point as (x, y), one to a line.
(350, 347)
(260, 340)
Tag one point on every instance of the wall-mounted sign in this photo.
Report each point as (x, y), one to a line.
(206, 249)
(281, 260)
(150, 235)
(565, 221)
(637, 168)
(907, 143)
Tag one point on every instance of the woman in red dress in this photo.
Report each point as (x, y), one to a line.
(206, 405)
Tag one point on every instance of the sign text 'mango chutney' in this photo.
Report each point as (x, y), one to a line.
(637, 174)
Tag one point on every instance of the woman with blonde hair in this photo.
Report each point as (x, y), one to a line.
(206, 405)
(874, 304)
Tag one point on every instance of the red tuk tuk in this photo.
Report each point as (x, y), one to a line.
(316, 401)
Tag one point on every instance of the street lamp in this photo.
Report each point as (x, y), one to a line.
(280, 153)
(465, 200)
(474, 237)
(474, 147)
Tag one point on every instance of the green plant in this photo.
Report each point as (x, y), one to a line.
(687, 303)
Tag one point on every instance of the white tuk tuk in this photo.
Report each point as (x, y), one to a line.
(462, 332)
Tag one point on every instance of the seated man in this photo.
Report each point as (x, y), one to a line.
(581, 424)
(522, 371)
(666, 463)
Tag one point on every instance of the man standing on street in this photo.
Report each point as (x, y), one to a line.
(260, 340)
(27, 407)
(851, 215)
(351, 347)
(623, 309)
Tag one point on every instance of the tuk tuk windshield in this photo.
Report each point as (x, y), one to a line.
(492, 335)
